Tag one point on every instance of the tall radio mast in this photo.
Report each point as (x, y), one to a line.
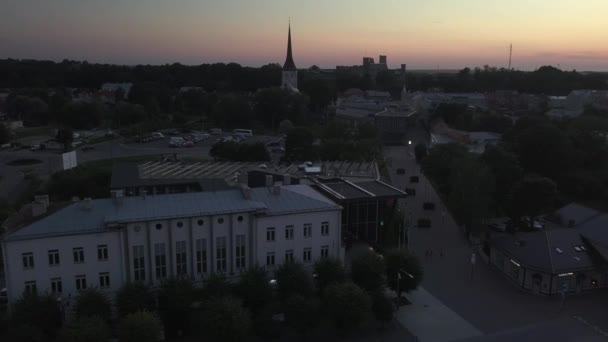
(510, 55)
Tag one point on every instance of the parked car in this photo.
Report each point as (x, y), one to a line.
(400, 171)
(424, 223)
(215, 131)
(158, 135)
(414, 179)
(188, 144)
(278, 150)
(428, 206)
(499, 227)
(109, 134)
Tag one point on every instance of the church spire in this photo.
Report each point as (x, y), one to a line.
(289, 64)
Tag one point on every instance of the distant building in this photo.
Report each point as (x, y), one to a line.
(289, 79)
(114, 87)
(476, 142)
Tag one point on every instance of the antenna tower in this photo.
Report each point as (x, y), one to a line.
(510, 55)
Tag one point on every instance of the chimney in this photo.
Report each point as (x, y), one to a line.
(286, 180)
(269, 181)
(38, 209)
(276, 190)
(42, 199)
(382, 59)
(245, 191)
(87, 203)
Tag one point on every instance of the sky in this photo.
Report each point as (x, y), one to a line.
(424, 34)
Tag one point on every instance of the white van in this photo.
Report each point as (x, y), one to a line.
(243, 132)
(215, 131)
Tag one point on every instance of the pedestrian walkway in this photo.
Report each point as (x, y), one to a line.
(431, 321)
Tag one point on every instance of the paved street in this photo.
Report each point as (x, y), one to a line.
(480, 294)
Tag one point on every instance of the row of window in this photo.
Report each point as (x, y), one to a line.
(306, 255)
(180, 224)
(81, 284)
(181, 258)
(271, 231)
(55, 260)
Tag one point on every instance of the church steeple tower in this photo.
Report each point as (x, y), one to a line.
(290, 72)
(289, 64)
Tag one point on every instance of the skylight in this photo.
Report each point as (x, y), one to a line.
(559, 250)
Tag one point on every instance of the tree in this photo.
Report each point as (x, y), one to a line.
(174, 300)
(301, 313)
(347, 305)
(224, 319)
(298, 145)
(293, 279)
(81, 115)
(328, 271)
(92, 303)
(87, 329)
(140, 326)
(320, 93)
(382, 307)
(506, 169)
(65, 136)
(232, 111)
(471, 191)
(126, 114)
(134, 297)
(5, 134)
(254, 289)
(271, 106)
(285, 126)
(367, 271)
(420, 152)
(438, 164)
(36, 315)
(403, 271)
(217, 285)
(531, 197)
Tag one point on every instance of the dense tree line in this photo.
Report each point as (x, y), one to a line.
(540, 164)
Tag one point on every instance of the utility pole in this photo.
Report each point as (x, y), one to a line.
(510, 55)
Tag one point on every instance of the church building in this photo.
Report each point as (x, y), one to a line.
(290, 72)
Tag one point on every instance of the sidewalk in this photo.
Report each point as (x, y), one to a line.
(431, 321)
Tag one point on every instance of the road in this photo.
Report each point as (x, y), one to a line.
(479, 293)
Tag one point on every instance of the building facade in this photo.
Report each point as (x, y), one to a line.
(106, 243)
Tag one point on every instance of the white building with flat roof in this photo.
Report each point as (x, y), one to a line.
(105, 243)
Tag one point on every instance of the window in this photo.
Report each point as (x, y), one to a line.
(181, 263)
(270, 234)
(139, 267)
(324, 251)
(201, 256)
(306, 255)
(270, 259)
(30, 287)
(180, 224)
(81, 282)
(220, 254)
(240, 252)
(54, 257)
(289, 233)
(78, 255)
(220, 220)
(289, 256)
(307, 230)
(104, 280)
(325, 228)
(240, 218)
(159, 226)
(56, 286)
(200, 222)
(160, 260)
(28, 260)
(102, 252)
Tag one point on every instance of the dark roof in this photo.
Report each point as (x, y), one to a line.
(575, 213)
(595, 232)
(539, 250)
(342, 189)
(289, 64)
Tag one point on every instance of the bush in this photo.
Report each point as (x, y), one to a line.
(174, 302)
(382, 307)
(93, 303)
(403, 271)
(140, 326)
(217, 285)
(224, 319)
(88, 329)
(367, 271)
(301, 313)
(254, 289)
(347, 305)
(134, 297)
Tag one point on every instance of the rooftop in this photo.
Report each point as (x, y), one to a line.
(341, 189)
(94, 216)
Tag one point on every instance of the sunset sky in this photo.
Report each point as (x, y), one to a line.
(425, 34)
